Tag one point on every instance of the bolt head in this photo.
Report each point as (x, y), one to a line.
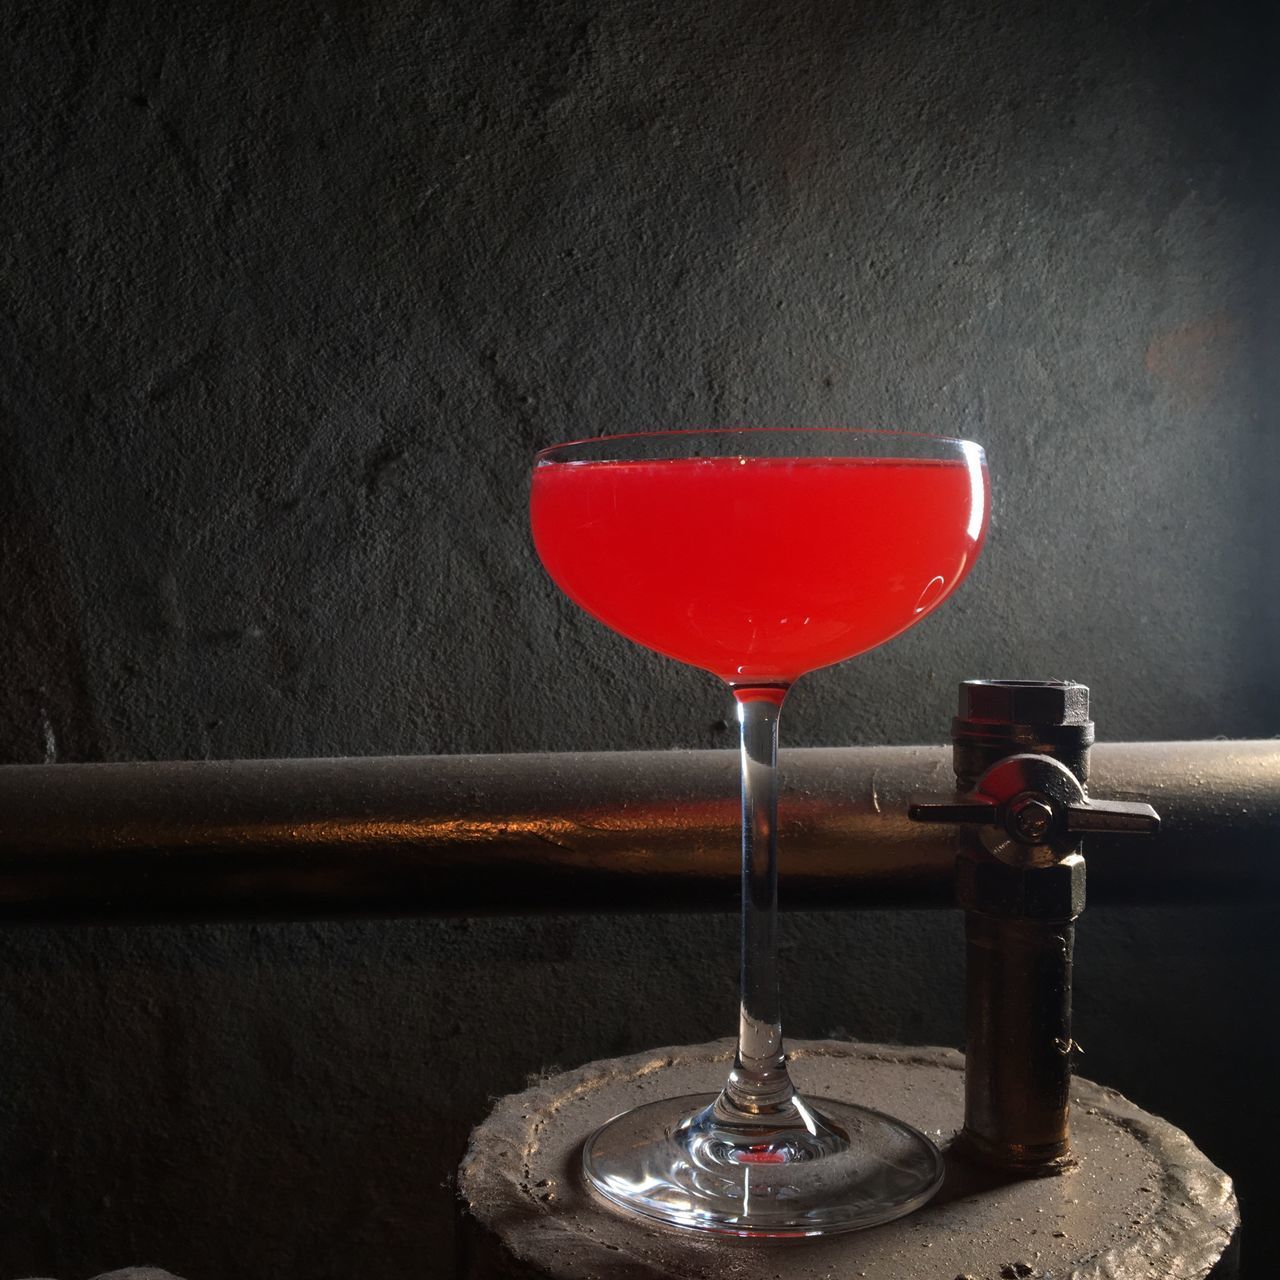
(1030, 819)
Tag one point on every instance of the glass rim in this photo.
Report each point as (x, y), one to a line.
(964, 445)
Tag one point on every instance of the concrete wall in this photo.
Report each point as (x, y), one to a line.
(293, 291)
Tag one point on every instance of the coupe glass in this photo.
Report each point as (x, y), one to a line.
(758, 555)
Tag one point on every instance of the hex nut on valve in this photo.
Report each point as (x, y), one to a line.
(1030, 702)
(1030, 819)
(995, 888)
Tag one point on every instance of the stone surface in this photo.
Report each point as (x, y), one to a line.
(135, 1273)
(290, 294)
(138, 1273)
(1142, 1202)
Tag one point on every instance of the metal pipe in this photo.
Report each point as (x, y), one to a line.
(1017, 1078)
(289, 839)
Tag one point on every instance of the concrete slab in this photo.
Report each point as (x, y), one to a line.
(1143, 1201)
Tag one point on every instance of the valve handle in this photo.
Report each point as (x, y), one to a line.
(1130, 817)
(1031, 806)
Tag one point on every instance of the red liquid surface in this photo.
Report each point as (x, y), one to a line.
(759, 569)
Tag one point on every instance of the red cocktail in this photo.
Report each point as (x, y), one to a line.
(759, 569)
(760, 555)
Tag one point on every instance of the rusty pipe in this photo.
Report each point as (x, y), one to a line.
(290, 839)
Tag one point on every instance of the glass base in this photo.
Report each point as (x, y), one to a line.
(801, 1171)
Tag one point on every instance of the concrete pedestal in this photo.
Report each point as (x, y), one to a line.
(1144, 1202)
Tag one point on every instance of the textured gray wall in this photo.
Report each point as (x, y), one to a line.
(292, 293)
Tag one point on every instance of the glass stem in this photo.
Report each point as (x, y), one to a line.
(759, 1082)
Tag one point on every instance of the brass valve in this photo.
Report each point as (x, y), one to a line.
(1033, 811)
(1021, 756)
